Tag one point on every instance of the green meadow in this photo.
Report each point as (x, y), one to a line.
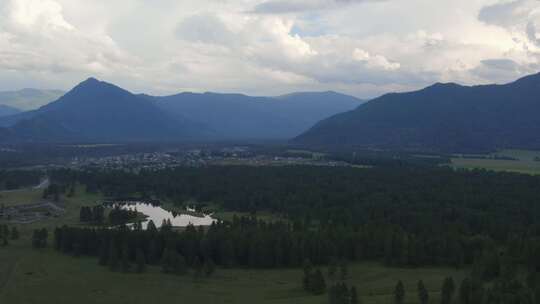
(524, 161)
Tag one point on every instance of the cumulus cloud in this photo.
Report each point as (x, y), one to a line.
(267, 47)
(294, 6)
(35, 37)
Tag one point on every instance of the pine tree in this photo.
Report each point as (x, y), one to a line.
(151, 226)
(399, 293)
(209, 267)
(354, 296)
(343, 270)
(140, 260)
(197, 267)
(113, 257)
(126, 265)
(423, 295)
(465, 290)
(103, 255)
(308, 268)
(14, 233)
(332, 269)
(317, 283)
(447, 291)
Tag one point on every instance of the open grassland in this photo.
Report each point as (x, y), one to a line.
(524, 162)
(45, 276)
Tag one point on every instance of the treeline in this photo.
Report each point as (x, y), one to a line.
(16, 179)
(92, 215)
(509, 288)
(116, 216)
(127, 250)
(405, 215)
(7, 234)
(248, 242)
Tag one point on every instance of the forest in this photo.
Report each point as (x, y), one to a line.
(404, 216)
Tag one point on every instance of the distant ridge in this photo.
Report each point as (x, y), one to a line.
(7, 110)
(29, 99)
(237, 116)
(99, 111)
(442, 117)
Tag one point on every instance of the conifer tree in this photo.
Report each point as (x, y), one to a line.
(209, 267)
(423, 295)
(447, 291)
(399, 293)
(354, 296)
(140, 260)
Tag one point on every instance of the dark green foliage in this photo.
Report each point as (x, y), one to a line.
(4, 235)
(94, 214)
(16, 179)
(332, 268)
(399, 293)
(173, 262)
(407, 216)
(316, 283)
(114, 256)
(39, 238)
(354, 296)
(447, 291)
(197, 267)
(14, 233)
(53, 191)
(118, 216)
(465, 291)
(209, 267)
(423, 295)
(125, 263)
(140, 261)
(343, 270)
(339, 294)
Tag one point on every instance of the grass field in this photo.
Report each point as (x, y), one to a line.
(45, 276)
(524, 163)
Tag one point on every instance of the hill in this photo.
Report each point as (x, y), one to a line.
(29, 99)
(236, 116)
(442, 117)
(99, 111)
(7, 110)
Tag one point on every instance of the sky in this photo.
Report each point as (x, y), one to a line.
(267, 47)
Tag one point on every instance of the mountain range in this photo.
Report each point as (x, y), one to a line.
(443, 117)
(29, 99)
(96, 111)
(236, 116)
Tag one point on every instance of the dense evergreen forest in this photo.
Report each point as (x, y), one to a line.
(407, 216)
(15, 179)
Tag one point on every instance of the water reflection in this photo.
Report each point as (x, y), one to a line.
(158, 215)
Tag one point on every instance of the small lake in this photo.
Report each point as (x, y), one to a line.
(158, 214)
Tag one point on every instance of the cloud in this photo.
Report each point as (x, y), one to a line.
(374, 61)
(293, 6)
(266, 47)
(504, 13)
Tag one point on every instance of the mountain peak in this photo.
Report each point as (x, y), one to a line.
(90, 81)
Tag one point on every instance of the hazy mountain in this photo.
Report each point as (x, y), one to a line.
(446, 117)
(29, 99)
(236, 116)
(7, 110)
(99, 111)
